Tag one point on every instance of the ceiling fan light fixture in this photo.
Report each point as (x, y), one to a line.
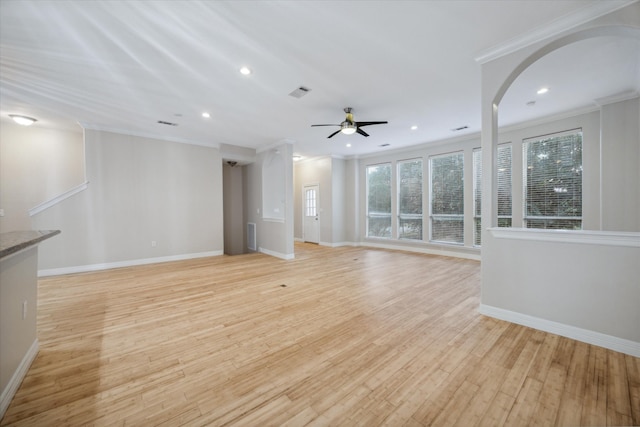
(348, 128)
(22, 120)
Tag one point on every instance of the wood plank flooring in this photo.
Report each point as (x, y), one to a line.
(343, 336)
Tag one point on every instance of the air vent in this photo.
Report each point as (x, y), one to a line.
(460, 128)
(384, 145)
(162, 122)
(300, 92)
(251, 236)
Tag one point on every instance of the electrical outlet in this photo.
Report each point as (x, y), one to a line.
(153, 244)
(24, 309)
(1, 212)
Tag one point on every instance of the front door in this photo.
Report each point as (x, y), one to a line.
(311, 231)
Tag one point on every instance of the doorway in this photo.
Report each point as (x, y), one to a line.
(311, 222)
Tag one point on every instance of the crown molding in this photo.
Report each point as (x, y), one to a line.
(619, 97)
(554, 28)
(89, 126)
(275, 145)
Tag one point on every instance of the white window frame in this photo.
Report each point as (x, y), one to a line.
(369, 215)
(400, 216)
(477, 217)
(526, 218)
(456, 216)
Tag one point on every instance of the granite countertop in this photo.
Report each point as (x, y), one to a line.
(14, 241)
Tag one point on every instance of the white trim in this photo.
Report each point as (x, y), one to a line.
(621, 345)
(588, 237)
(275, 145)
(16, 379)
(558, 26)
(120, 264)
(619, 97)
(424, 250)
(268, 219)
(338, 244)
(298, 239)
(276, 254)
(47, 204)
(550, 118)
(90, 126)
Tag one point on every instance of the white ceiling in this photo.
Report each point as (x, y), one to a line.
(125, 65)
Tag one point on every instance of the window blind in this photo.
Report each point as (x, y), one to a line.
(552, 179)
(410, 199)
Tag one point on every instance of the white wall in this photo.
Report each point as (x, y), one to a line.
(17, 335)
(315, 172)
(620, 170)
(141, 190)
(274, 235)
(233, 201)
(36, 165)
(351, 201)
(339, 192)
(580, 284)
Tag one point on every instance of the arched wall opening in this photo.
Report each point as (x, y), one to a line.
(577, 284)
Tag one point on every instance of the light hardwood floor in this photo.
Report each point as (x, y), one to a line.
(346, 336)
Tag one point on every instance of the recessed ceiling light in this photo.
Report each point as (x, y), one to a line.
(414, 127)
(245, 71)
(348, 145)
(206, 115)
(23, 120)
(543, 90)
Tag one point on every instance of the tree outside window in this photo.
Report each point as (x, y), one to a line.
(447, 198)
(379, 200)
(553, 181)
(410, 199)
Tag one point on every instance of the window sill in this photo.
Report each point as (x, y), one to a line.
(589, 237)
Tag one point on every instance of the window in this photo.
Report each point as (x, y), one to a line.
(504, 190)
(379, 200)
(553, 181)
(310, 202)
(447, 198)
(410, 199)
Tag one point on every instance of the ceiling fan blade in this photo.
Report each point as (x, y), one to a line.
(361, 132)
(333, 134)
(324, 125)
(371, 123)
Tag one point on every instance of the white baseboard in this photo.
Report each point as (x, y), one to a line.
(298, 239)
(621, 345)
(338, 244)
(120, 264)
(424, 250)
(17, 377)
(276, 254)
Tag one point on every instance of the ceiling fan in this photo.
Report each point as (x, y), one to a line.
(349, 126)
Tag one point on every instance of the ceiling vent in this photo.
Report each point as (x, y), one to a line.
(384, 145)
(459, 129)
(162, 122)
(300, 92)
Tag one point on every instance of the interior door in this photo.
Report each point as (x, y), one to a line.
(311, 229)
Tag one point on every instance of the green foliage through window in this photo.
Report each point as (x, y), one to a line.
(410, 199)
(553, 181)
(447, 198)
(379, 200)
